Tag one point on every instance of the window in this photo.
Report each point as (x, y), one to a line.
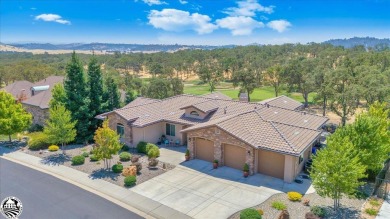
(194, 113)
(300, 158)
(170, 129)
(120, 129)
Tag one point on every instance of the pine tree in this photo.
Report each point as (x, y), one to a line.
(77, 98)
(59, 127)
(111, 95)
(13, 118)
(95, 84)
(58, 96)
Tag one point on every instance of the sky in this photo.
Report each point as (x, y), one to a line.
(191, 22)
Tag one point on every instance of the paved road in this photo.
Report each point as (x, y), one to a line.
(44, 196)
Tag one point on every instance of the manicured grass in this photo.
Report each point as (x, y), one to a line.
(259, 94)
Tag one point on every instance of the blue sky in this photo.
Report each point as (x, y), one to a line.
(212, 22)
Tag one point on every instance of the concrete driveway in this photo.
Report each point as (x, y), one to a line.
(197, 190)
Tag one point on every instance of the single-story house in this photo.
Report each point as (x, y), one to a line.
(273, 137)
(35, 97)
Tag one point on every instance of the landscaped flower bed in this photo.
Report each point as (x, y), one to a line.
(96, 168)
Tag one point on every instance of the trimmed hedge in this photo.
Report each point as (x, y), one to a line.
(37, 141)
(53, 148)
(117, 168)
(154, 152)
(85, 154)
(78, 160)
(249, 213)
(124, 156)
(130, 180)
(141, 147)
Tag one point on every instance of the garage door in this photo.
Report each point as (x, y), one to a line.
(271, 163)
(204, 149)
(234, 156)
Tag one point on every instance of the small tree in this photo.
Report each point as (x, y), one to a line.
(59, 127)
(58, 95)
(107, 143)
(13, 118)
(337, 169)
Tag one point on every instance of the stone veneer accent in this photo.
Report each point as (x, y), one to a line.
(39, 115)
(220, 137)
(113, 120)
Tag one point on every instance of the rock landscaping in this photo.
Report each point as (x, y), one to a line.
(96, 168)
(350, 208)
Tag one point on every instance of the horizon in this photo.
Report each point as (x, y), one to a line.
(158, 22)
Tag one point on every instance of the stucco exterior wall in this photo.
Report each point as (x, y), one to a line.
(289, 168)
(220, 137)
(39, 115)
(153, 132)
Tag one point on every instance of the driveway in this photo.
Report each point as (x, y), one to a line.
(199, 191)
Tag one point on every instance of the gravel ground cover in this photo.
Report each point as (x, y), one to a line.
(96, 169)
(350, 208)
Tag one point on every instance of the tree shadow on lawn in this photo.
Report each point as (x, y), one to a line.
(56, 159)
(103, 174)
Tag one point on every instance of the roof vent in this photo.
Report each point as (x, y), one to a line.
(267, 105)
(305, 120)
(276, 112)
(224, 110)
(296, 133)
(146, 115)
(285, 101)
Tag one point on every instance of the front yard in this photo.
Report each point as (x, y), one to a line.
(96, 169)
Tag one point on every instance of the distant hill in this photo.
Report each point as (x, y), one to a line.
(367, 42)
(110, 47)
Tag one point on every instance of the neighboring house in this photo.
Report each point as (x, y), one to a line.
(35, 97)
(283, 102)
(275, 141)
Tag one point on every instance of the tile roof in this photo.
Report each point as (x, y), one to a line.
(263, 126)
(217, 95)
(16, 88)
(140, 101)
(282, 102)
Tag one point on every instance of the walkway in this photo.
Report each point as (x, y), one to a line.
(384, 212)
(126, 198)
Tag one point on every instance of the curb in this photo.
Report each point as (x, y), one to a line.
(87, 188)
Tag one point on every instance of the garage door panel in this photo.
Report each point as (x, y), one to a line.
(204, 149)
(234, 156)
(271, 163)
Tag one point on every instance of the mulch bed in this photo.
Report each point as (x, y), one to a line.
(96, 170)
(350, 208)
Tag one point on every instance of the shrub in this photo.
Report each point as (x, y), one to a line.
(187, 153)
(246, 168)
(294, 196)
(124, 156)
(141, 147)
(371, 211)
(93, 158)
(306, 202)
(134, 158)
(85, 154)
(261, 212)
(130, 180)
(153, 162)
(374, 202)
(117, 168)
(35, 128)
(215, 161)
(249, 213)
(154, 152)
(129, 171)
(138, 165)
(78, 160)
(149, 146)
(279, 205)
(310, 215)
(53, 148)
(317, 210)
(125, 148)
(38, 141)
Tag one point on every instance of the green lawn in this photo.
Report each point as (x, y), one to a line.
(193, 87)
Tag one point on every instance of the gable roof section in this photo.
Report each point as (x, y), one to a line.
(17, 87)
(283, 102)
(140, 101)
(205, 107)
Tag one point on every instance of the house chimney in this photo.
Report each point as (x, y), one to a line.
(224, 110)
(243, 97)
(267, 105)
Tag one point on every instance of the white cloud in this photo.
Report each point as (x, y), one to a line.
(154, 2)
(52, 18)
(279, 25)
(239, 25)
(248, 8)
(183, 2)
(177, 20)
